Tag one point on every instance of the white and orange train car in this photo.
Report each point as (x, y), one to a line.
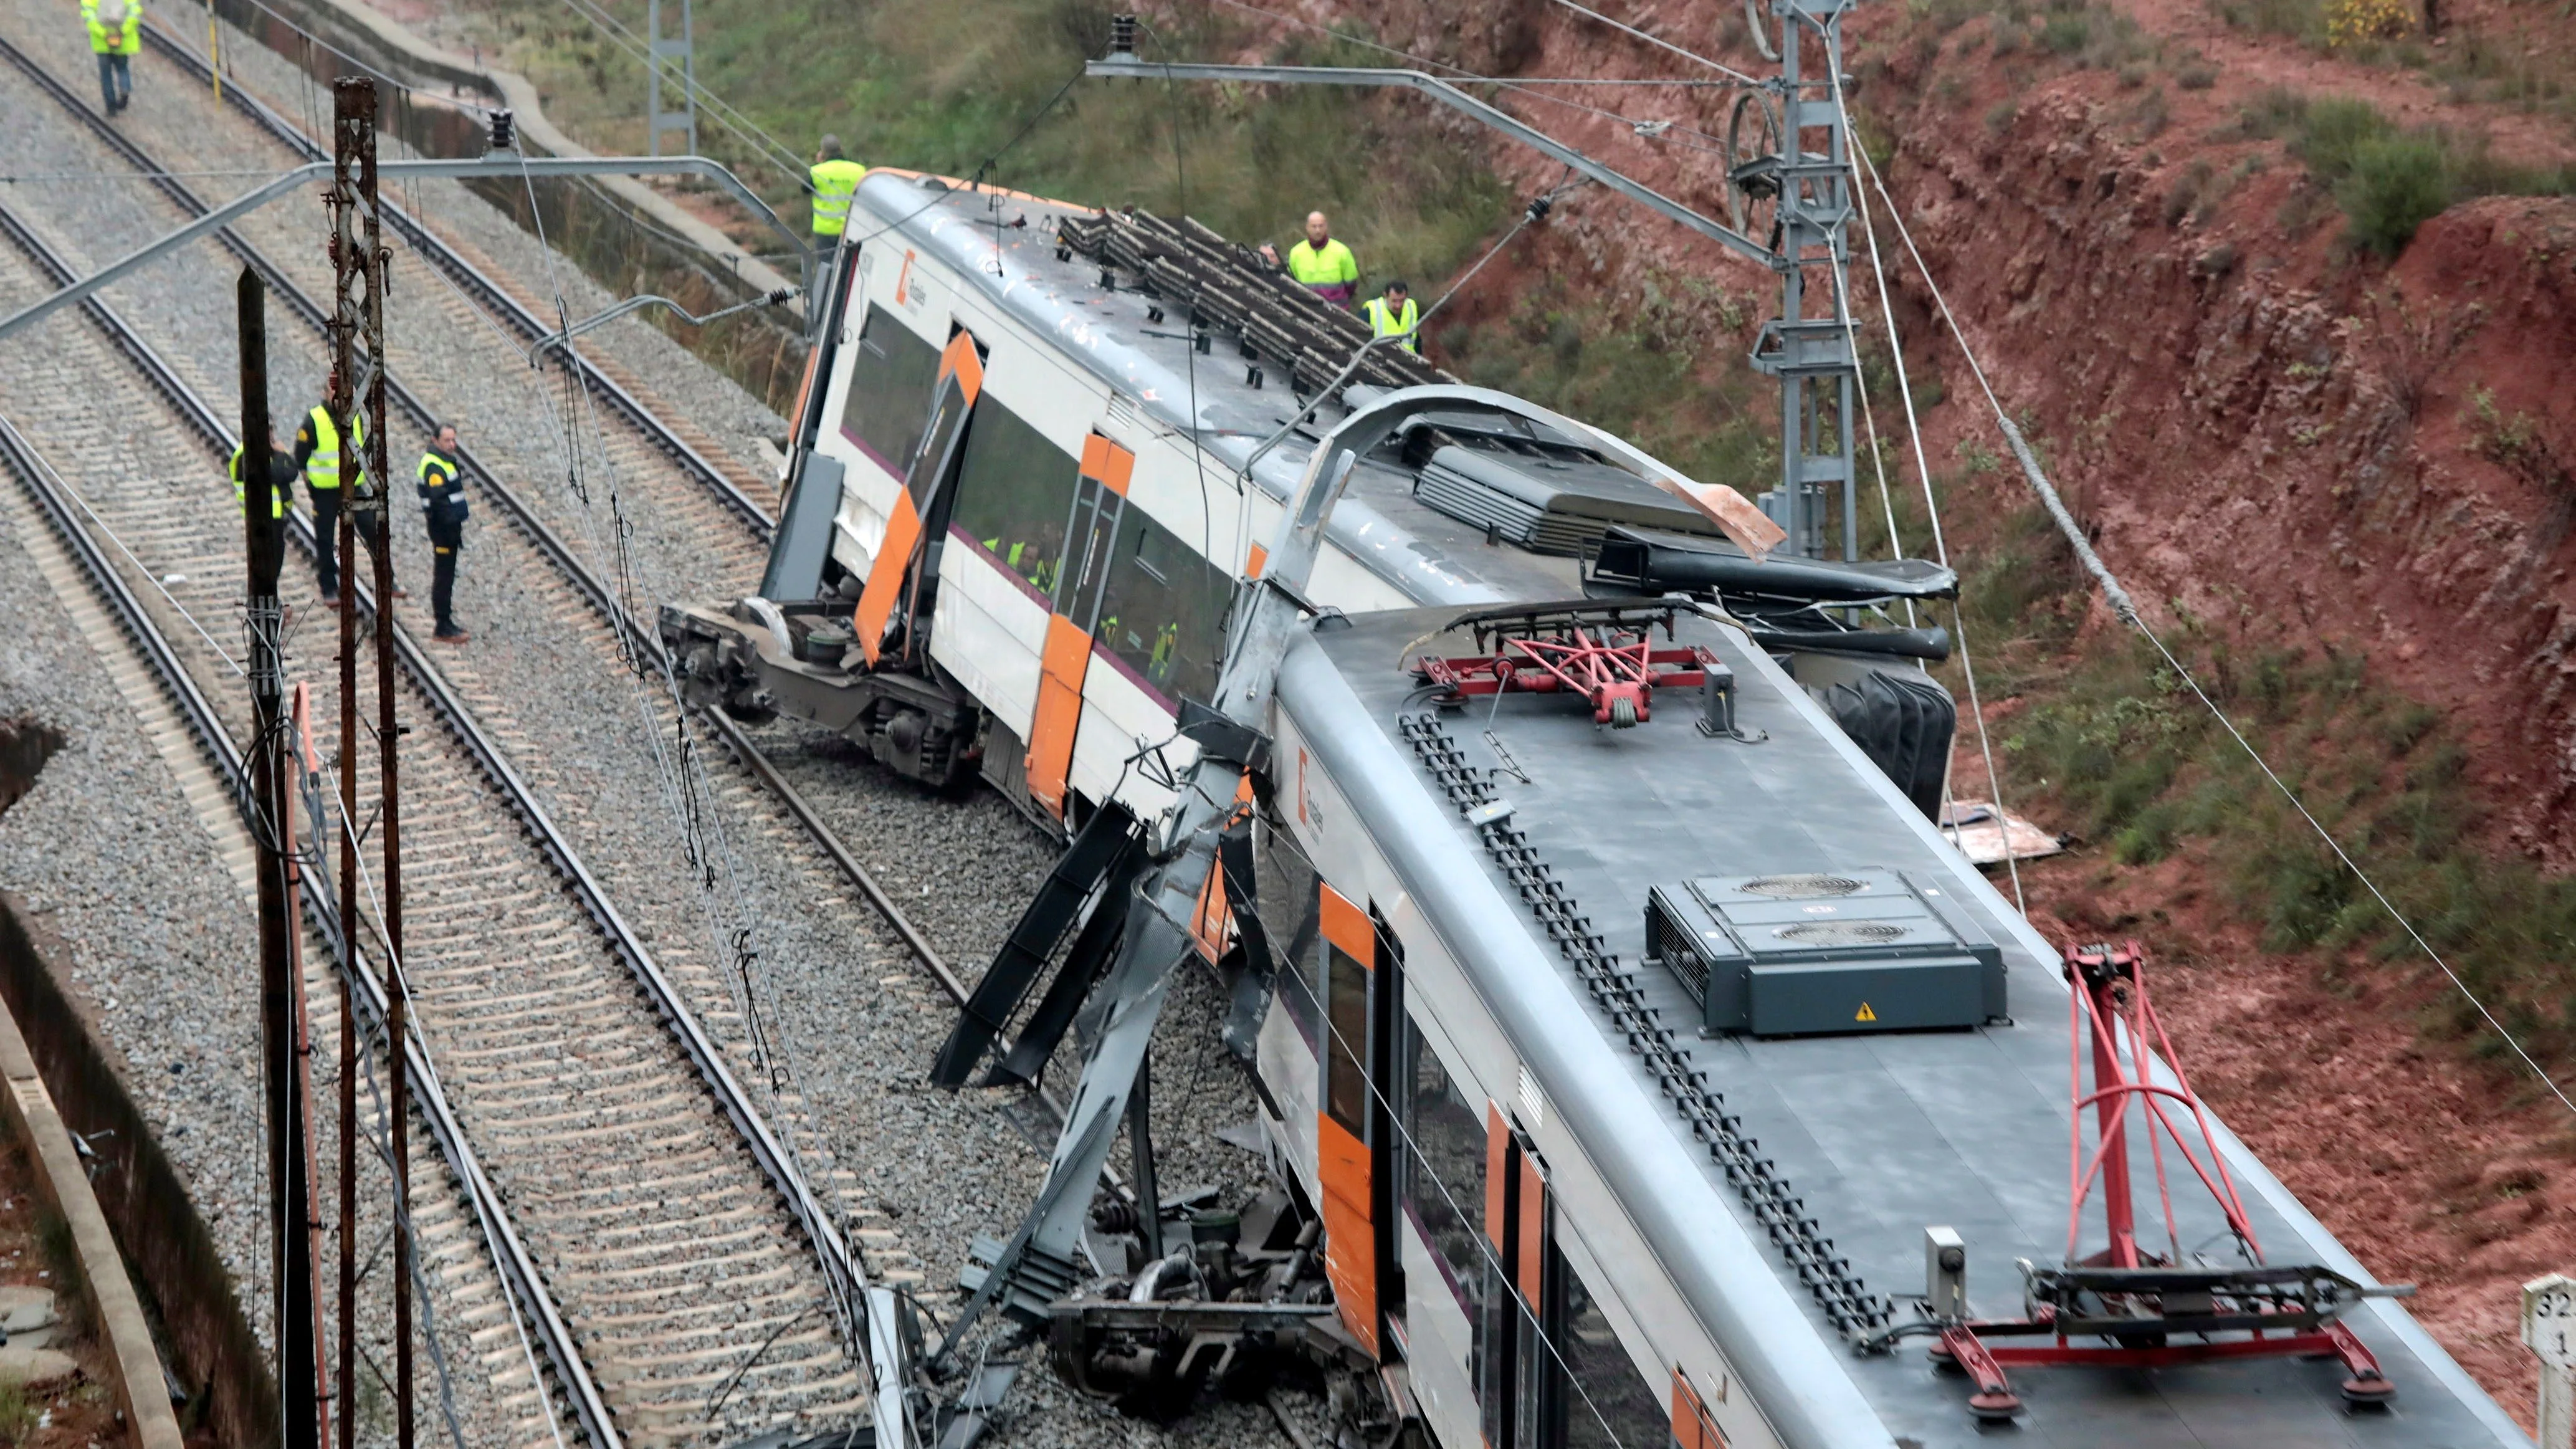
(1579, 1202)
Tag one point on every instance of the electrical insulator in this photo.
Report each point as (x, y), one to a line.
(1122, 35)
(501, 138)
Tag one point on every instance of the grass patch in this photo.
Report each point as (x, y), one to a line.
(2388, 180)
(1671, 380)
(2303, 20)
(2115, 744)
(940, 87)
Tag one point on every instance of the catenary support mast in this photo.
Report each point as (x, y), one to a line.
(264, 548)
(348, 281)
(354, 134)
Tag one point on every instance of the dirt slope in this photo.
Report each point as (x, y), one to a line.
(2265, 430)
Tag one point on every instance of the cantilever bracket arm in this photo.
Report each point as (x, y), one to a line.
(554, 340)
(1131, 68)
(498, 163)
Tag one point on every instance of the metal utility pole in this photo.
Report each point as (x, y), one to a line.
(264, 548)
(354, 173)
(348, 278)
(1802, 177)
(1789, 193)
(681, 54)
(308, 1156)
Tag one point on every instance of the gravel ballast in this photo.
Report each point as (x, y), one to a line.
(853, 1020)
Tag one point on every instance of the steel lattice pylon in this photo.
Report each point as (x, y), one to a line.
(1801, 180)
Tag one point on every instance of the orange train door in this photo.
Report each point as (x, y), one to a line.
(1099, 501)
(1516, 1392)
(919, 505)
(1354, 1134)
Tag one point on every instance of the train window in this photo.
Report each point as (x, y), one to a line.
(1444, 1174)
(1612, 1406)
(1346, 1011)
(1164, 617)
(1291, 913)
(892, 372)
(1015, 494)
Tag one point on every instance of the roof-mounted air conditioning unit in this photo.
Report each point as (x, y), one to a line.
(1804, 954)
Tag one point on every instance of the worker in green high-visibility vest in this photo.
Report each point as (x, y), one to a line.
(116, 37)
(1396, 315)
(834, 180)
(1321, 263)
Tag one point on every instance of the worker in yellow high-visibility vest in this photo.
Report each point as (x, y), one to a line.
(115, 37)
(281, 481)
(1396, 315)
(835, 179)
(1322, 264)
(317, 453)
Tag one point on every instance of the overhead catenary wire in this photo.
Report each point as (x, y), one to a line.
(1739, 77)
(1857, 161)
(19, 436)
(769, 148)
(1651, 130)
(2121, 604)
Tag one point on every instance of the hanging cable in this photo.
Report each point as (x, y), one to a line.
(1859, 155)
(688, 794)
(1739, 77)
(1190, 354)
(63, 483)
(2122, 605)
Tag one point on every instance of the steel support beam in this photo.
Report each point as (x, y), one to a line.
(1812, 356)
(498, 164)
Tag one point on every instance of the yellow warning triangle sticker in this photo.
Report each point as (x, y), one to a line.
(1865, 1014)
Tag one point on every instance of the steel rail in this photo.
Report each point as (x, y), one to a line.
(525, 1282)
(843, 1272)
(518, 1268)
(602, 599)
(495, 298)
(500, 302)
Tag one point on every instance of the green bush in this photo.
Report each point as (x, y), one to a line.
(2396, 184)
(2388, 181)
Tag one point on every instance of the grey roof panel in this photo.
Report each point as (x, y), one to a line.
(1885, 1134)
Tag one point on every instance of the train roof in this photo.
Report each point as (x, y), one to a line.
(1004, 244)
(1881, 1135)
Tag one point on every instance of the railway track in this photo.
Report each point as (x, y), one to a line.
(658, 474)
(628, 398)
(663, 434)
(641, 1208)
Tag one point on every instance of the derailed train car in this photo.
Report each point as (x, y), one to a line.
(1638, 1040)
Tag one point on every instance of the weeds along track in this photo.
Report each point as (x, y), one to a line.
(677, 1242)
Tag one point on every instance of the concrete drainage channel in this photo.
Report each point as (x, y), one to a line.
(126, 1194)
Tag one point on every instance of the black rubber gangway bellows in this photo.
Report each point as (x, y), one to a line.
(1229, 286)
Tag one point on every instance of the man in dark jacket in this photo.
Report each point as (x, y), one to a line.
(442, 506)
